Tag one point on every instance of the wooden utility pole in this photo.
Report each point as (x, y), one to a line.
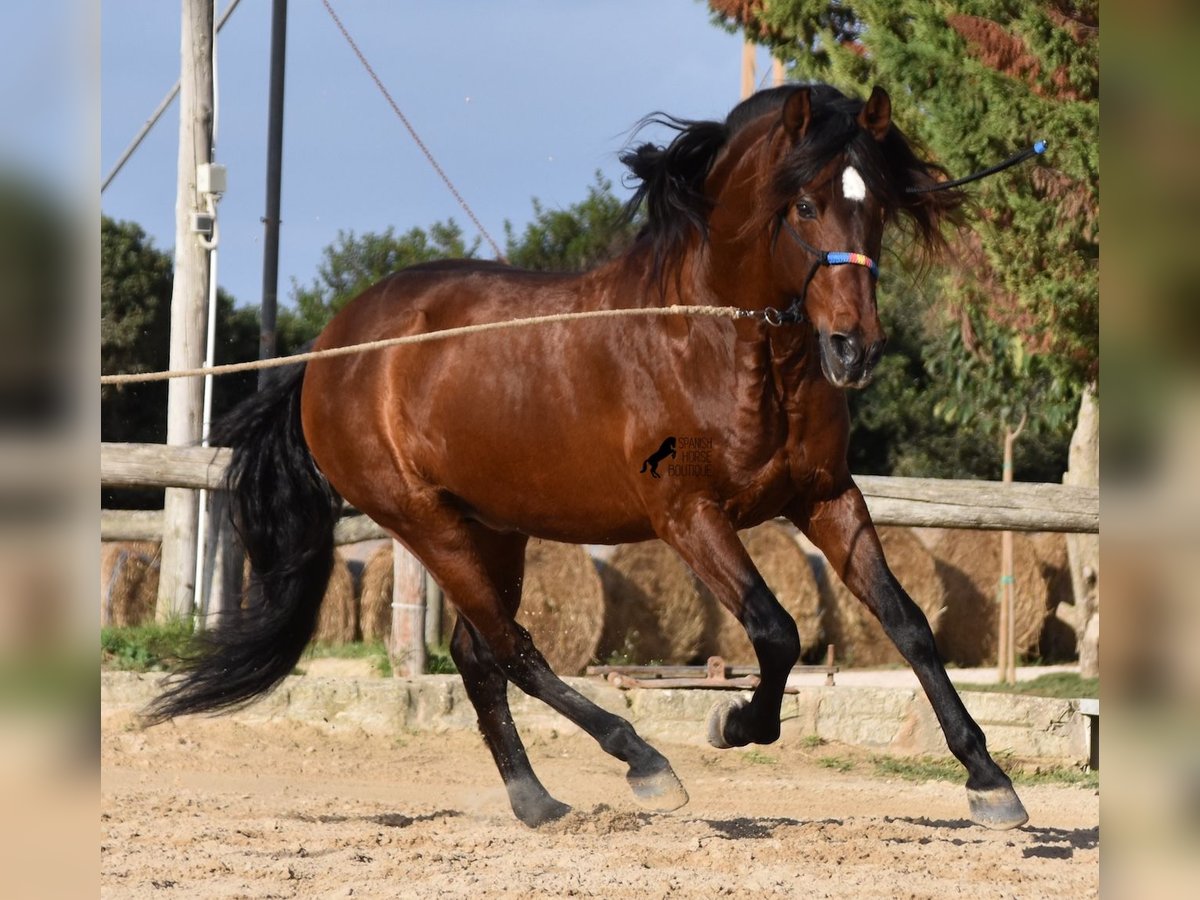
(189, 313)
(748, 77)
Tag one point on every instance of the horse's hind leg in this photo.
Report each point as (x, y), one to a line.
(466, 561)
(503, 556)
(708, 543)
(487, 689)
(843, 530)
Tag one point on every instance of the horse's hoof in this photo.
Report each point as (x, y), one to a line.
(718, 721)
(533, 805)
(998, 808)
(661, 791)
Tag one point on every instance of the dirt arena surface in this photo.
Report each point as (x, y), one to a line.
(217, 808)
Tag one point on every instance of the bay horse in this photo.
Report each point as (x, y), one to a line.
(779, 210)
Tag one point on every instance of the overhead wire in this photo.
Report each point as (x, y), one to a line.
(413, 132)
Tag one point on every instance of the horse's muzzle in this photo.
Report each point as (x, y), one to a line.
(847, 360)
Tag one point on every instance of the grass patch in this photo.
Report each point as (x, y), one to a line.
(154, 647)
(930, 768)
(933, 768)
(372, 650)
(812, 741)
(923, 768)
(758, 758)
(1063, 685)
(439, 662)
(840, 763)
(146, 648)
(1062, 775)
(355, 650)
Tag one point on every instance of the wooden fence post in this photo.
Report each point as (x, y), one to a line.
(224, 558)
(406, 649)
(1006, 654)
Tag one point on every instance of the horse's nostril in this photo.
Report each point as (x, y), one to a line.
(848, 348)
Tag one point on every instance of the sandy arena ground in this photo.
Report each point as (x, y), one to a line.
(216, 808)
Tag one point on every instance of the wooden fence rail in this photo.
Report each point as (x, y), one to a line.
(932, 502)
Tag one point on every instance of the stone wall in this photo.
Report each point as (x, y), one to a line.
(897, 721)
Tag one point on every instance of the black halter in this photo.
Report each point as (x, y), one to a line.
(794, 314)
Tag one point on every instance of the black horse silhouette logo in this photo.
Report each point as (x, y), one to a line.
(652, 461)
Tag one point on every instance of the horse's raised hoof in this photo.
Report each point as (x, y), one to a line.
(659, 791)
(997, 808)
(718, 721)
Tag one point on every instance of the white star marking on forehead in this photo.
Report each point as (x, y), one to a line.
(853, 187)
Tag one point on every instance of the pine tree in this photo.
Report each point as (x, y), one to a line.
(1017, 324)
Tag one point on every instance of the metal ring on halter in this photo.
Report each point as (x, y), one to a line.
(772, 316)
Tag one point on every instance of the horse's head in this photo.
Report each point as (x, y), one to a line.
(823, 199)
(791, 193)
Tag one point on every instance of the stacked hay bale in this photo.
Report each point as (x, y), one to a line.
(784, 565)
(969, 564)
(128, 582)
(1057, 642)
(338, 619)
(856, 634)
(562, 603)
(653, 609)
(375, 606)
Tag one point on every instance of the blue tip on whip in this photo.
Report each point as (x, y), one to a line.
(1039, 147)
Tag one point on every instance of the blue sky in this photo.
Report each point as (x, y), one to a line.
(516, 99)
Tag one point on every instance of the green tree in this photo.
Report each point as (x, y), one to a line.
(135, 316)
(579, 237)
(1015, 324)
(135, 324)
(354, 262)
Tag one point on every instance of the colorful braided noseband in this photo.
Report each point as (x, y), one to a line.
(843, 258)
(794, 314)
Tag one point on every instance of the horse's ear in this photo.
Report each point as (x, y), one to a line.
(797, 113)
(876, 115)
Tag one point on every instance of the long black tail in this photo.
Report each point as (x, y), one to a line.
(284, 511)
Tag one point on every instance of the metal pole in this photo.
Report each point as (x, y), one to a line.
(266, 341)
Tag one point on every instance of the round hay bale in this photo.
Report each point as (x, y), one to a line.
(562, 604)
(1051, 550)
(375, 604)
(785, 567)
(653, 609)
(1058, 639)
(338, 619)
(128, 582)
(969, 564)
(856, 634)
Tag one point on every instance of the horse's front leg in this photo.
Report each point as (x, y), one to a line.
(709, 543)
(843, 531)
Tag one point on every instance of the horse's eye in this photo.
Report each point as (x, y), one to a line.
(805, 210)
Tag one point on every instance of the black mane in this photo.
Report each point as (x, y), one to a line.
(671, 179)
